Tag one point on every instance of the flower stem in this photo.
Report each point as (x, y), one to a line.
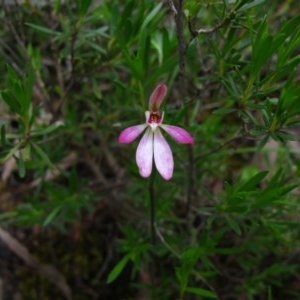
(152, 205)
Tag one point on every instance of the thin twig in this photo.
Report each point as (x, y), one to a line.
(227, 19)
(182, 48)
(165, 243)
(172, 6)
(207, 30)
(49, 271)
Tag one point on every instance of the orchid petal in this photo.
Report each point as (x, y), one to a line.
(144, 154)
(179, 134)
(129, 134)
(157, 97)
(163, 156)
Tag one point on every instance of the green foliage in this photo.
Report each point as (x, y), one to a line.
(18, 97)
(74, 74)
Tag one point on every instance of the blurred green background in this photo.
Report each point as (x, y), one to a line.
(74, 211)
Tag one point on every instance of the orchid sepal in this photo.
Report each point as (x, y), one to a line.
(157, 97)
(129, 134)
(179, 134)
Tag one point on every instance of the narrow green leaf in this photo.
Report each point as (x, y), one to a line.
(284, 136)
(18, 92)
(43, 29)
(151, 16)
(83, 6)
(52, 215)
(182, 276)
(224, 111)
(143, 49)
(12, 73)
(3, 137)
(234, 225)
(275, 180)
(258, 130)
(115, 272)
(47, 130)
(21, 166)
(11, 101)
(124, 18)
(26, 152)
(251, 5)
(96, 47)
(28, 88)
(157, 43)
(11, 152)
(263, 142)
(252, 183)
(134, 66)
(262, 48)
(290, 25)
(201, 292)
(262, 55)
(248, 116)
(42, 154)
(169, 65)
(270, 293)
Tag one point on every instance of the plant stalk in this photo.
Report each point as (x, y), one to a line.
(152, 206)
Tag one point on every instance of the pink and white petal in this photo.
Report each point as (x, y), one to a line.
(144, 154)
(179, 134)
(157, 97)
(163, 156)
(129, 134)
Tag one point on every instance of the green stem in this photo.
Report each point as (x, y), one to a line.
(152, 205)
(248, 91)
(274, 124)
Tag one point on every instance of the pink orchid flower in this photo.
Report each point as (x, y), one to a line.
(153, 142)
